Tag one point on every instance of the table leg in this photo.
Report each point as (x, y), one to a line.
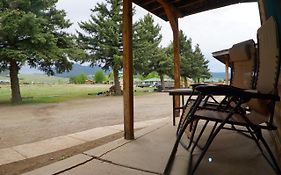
(174, 111)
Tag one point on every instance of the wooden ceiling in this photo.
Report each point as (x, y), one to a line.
(183, 8)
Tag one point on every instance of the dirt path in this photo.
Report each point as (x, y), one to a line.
(29, 123)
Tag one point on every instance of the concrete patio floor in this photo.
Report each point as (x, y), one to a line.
(231, 154)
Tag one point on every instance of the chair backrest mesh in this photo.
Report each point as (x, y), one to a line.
(268, 65)
(243, 61)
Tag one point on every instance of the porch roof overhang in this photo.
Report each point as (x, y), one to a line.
(183, 8)
(222, 55)
(168, 10)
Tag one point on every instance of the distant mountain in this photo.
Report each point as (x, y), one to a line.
(220, 75)
(217, 76)
(79, 69)
(76, 70)
(27, 70)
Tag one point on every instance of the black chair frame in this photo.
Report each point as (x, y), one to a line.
(252, 131)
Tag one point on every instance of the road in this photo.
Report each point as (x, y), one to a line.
(33, 122)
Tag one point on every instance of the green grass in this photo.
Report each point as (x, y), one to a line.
(40, 88)
(44, 93)
(50, 93)
(42, 79)
(141, 91)
(39, 79)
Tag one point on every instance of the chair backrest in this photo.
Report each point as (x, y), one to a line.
(268, 67)
(268, 53)
(242, 57)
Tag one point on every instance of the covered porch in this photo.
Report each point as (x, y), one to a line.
(171, 11)
(148, 153)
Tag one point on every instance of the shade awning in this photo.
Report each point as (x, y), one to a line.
(183, 8)
(222, 55)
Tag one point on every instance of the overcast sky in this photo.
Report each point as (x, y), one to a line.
(213, 30)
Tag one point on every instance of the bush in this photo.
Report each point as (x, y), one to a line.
(79, 79)
(99, 76)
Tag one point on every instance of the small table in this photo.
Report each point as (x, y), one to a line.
(179, 92)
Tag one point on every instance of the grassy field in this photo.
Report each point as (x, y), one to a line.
(42, 79)
(40, 88)
(50, 93)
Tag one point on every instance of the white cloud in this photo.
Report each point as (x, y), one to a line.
(221, 28)
(213, 30)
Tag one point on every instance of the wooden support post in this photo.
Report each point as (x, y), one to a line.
(176, 61)
(176, 57)
(226, 70)
(128, 89)
(173, 15)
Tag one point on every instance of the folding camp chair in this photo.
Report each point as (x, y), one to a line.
(235, 116)
(243, 63)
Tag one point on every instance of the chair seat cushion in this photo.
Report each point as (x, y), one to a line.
(254, 117)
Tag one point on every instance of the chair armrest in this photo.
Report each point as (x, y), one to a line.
(194, 85)
(234, 91)
(218, 90)
(183, 91)
(258, 95)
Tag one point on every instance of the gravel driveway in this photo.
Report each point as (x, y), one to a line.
(29, 123)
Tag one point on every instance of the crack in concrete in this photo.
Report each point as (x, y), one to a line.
(25, 157)
(126, 166)
(70, 168)
(108, 150)
(113, 163)
(153, 130)
(126, 142)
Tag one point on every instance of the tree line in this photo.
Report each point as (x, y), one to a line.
(32, 32)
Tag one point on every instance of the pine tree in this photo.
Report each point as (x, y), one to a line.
(148, 55)
(200, 65)
(31, 32)
(102, 38)
(192, 64)
(186, 55)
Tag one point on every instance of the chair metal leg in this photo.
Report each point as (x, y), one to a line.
(213, 130)
(183, 111)
(274, 163)
(189, 118)
(199, 136)
(206, 147)
(193, 131)
(174, 112)
(255, 139)
(211, 138)
(174, 151)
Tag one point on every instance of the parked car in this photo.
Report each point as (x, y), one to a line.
(142, 85)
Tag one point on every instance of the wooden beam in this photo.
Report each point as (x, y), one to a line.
(128, 89)
(184, 4)
(262, 11)
(177, 12)
(226, 70)
(171, 13)
(147, 2)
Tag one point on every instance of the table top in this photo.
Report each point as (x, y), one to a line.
(181, 91)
